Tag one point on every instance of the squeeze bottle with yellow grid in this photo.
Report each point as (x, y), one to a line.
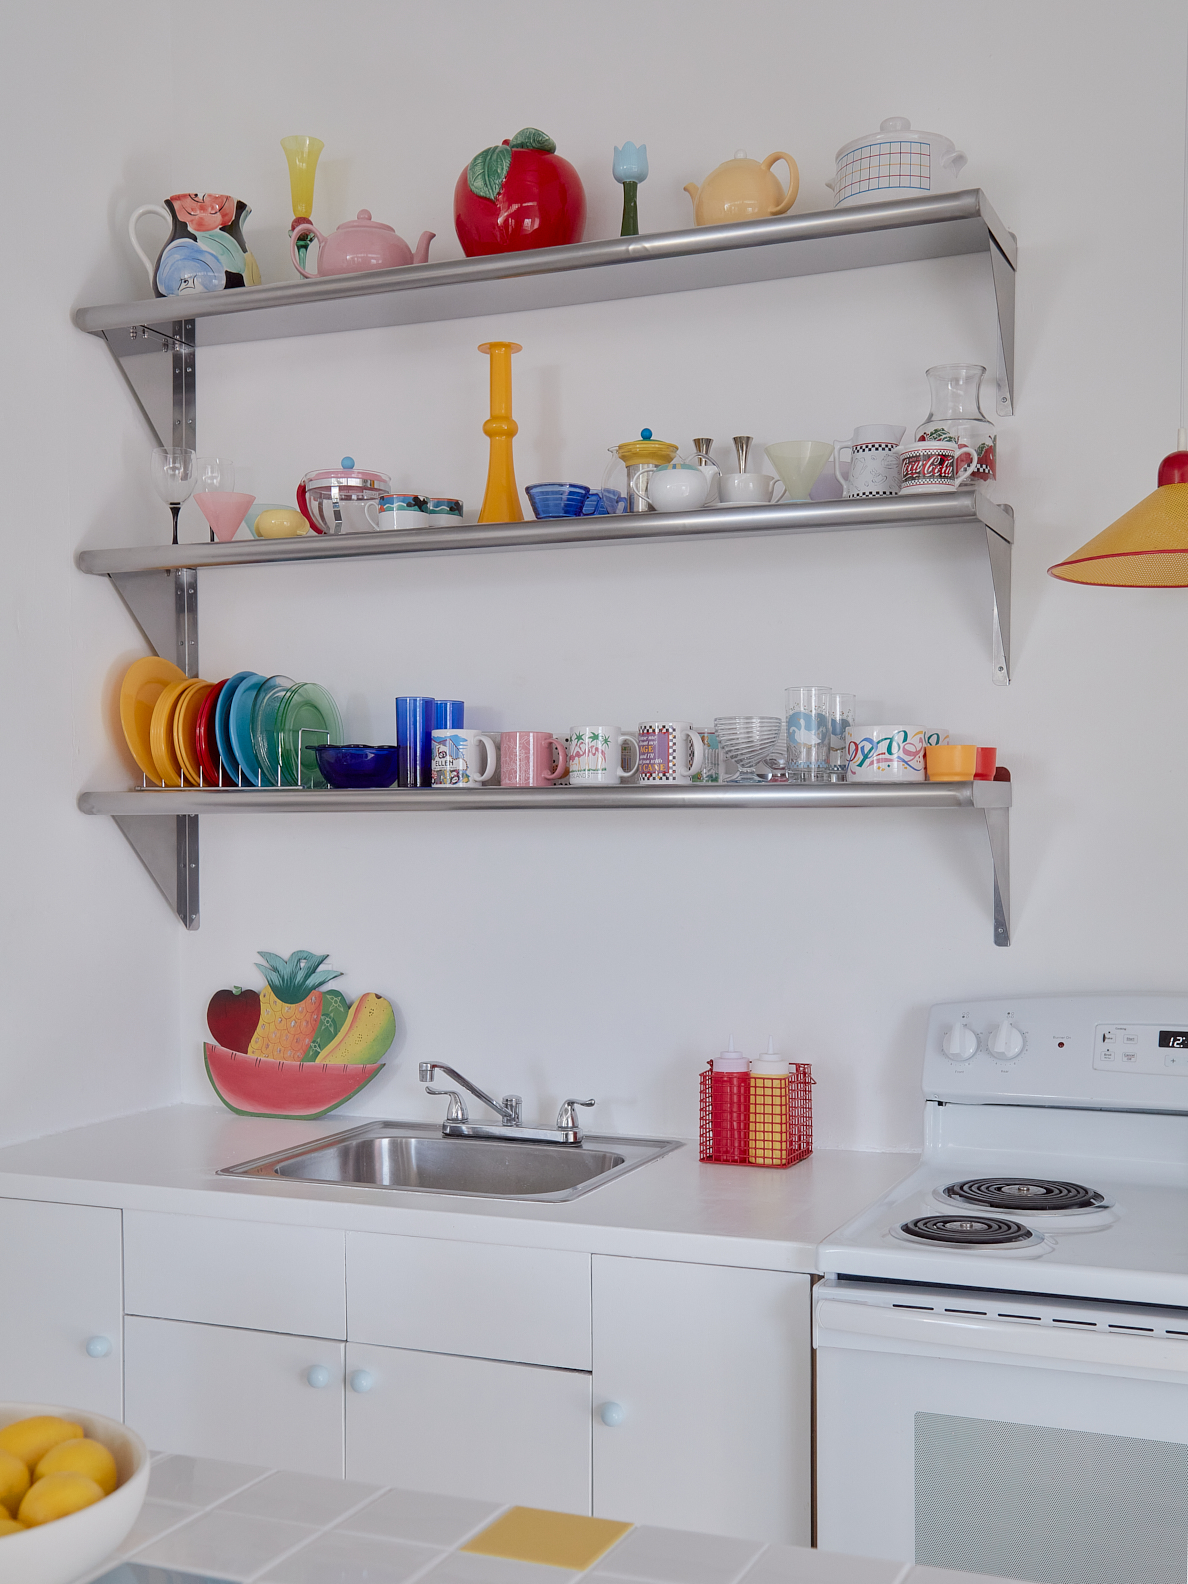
(770, 1109)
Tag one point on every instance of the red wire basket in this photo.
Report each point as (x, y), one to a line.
(745, 1124)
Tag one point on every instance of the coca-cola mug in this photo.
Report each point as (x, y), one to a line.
(934, 465)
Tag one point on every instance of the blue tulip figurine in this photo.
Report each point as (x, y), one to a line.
(630, 168)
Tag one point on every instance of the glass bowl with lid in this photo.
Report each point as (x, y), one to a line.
(343, 500)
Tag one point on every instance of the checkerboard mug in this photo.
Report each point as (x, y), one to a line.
(670, 753)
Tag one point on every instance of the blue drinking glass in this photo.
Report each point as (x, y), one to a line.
(448, 714)
(414, 741)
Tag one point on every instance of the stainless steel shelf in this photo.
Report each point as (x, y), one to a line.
(941, 225)
(162, 824)
(158, 583)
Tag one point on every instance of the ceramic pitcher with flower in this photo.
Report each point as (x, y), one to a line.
(205, 250)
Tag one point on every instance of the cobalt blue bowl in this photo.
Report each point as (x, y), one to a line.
(557, 500)
(357, 764)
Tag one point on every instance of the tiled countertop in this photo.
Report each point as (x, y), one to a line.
(228, 1521)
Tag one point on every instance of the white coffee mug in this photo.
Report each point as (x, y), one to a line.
(934, 465)
(672, 489)
(456, 757)
(596, 755)
(874, 461)
(670, 752)
(885, 753)
(748, 489)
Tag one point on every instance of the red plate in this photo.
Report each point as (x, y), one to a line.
(204, 737)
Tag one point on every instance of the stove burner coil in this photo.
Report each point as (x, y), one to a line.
(1025, 1195)
(974, 1231)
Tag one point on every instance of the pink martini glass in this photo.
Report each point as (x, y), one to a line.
(224, 510)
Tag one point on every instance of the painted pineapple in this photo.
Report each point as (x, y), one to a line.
(291, 1006)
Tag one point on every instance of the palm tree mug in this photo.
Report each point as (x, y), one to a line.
(601, 755)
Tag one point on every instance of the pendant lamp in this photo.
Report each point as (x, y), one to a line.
(1148, 545)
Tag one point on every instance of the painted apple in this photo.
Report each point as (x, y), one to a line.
(518, 195)
(233, 1017)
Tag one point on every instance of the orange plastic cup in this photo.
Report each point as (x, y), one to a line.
(951, 762)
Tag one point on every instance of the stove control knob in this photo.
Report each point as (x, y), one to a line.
(960, 1043)
(1006, 1041)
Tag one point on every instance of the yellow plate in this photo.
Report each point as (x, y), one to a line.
(161, 732)
(143, 684)
(185, 719)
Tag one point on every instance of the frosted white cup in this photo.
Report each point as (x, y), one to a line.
(673, 489)
(748, 489)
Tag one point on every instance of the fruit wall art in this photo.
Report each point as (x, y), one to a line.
(294, 1049)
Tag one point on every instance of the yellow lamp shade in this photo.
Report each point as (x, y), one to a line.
(1146, 548)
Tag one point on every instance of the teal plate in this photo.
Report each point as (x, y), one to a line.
(265, 709)
(239, 726)
(307, 710)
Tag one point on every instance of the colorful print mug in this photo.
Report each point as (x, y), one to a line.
(885, 753)
(670, 753)
(457, 754)
(596, 756)
(934, 465)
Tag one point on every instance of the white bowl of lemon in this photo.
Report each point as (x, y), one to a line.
(71, 1486)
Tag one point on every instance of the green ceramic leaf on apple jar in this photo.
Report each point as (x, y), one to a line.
(533, 138)
(486, 172)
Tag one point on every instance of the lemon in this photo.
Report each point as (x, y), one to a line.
(31, 1439)
(10, 1526)
(14, 1482)
(57, 1495)
(80, 1457)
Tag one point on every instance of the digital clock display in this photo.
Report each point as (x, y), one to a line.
(1173, 1039)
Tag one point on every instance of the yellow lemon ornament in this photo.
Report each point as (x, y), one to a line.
(31, 1439)
(14, 1482)
(56, 1496)
(82, 1456)
(10, 1526)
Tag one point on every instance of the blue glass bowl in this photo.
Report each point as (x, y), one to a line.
(604, 503)
(557, 500)
(357, 764)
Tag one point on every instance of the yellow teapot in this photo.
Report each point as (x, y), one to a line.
(744, 189)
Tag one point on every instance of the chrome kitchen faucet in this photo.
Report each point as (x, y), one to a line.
(458, 1125)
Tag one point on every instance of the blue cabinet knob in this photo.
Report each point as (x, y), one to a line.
(611, 1414)
(318, 1375)
(98, 1346)
(360, 1380)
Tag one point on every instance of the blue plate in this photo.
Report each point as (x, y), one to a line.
(239, 727)
(222, 713)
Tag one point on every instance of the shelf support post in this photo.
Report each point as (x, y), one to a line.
(999, 551)
(994, 800)
(167, 846)
(164, 606)
(1004, 298)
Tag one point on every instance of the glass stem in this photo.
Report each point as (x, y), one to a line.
(175, 510)
(630, 212)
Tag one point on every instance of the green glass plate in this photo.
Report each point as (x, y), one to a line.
(307, 717)
(265, 710)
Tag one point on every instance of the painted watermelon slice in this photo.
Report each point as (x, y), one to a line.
(255, 1086)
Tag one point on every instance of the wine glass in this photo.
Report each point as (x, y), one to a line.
(173, 478)
(302, 155)
(213, 473)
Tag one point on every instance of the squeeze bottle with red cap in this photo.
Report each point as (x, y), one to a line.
(730, 1095)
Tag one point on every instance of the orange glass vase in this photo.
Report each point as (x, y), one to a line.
(501, 500)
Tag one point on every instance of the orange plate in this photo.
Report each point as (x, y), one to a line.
(144, 681)
(165, 759)
(185, 722)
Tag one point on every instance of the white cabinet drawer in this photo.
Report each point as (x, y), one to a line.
(59, 1291)
(469, 1427)
(529, 1306)
(245, 1396)
(235, 1273)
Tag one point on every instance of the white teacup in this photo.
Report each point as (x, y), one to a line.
(673, 489)
(748, 489)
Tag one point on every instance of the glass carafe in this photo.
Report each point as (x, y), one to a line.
(957, 415)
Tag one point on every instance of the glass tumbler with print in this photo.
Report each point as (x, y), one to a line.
(841, 719)
(807, 711)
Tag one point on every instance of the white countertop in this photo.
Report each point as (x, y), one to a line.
(671, 1208)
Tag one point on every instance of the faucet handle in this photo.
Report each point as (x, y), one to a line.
(566, 1117)
(457, 1109)
(513, 1106)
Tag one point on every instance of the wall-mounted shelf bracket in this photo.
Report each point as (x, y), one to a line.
(167, 846)
(164, 605)
(989, 797)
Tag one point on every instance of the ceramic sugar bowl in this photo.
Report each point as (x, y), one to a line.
(744, 189)
(359, 244)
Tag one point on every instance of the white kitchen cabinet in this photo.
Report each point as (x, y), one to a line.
(469, 1427)
(711, 1368)
(235, 1273)
(61, 1305)
(215, 1391)
(529, 1306)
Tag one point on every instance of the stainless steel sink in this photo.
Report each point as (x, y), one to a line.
(414, 1157)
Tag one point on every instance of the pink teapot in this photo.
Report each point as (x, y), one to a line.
(359, 244)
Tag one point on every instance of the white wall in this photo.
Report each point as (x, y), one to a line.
(611, 953)
(90, 972)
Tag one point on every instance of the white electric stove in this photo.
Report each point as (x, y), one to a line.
(1002, 1365)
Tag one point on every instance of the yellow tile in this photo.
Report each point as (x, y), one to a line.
(533, 1534)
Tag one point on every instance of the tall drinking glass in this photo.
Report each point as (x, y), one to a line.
(807, 711)
(841, 720)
